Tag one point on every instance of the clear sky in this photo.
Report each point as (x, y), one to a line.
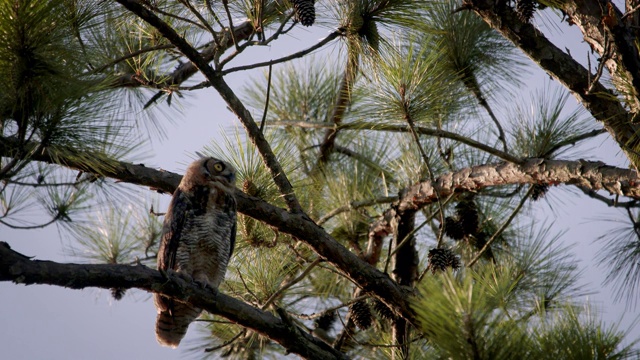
(45, 322)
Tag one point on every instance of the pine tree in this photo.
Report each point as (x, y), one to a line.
(389, 182)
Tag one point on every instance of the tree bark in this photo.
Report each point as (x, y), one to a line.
(405, 271)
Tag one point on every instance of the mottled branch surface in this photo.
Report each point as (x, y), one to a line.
(588, 174)
(20, 269)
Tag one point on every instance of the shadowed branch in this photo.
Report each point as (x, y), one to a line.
(21, 269)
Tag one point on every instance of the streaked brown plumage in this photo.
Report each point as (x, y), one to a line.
(198, 238)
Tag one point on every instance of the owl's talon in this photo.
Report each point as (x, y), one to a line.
(201, 284)
(164, 274)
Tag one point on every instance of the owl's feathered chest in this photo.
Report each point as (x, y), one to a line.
(200, 232)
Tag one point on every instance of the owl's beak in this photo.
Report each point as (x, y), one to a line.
(231, 178)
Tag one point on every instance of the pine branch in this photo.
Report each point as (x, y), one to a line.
(589, 174)
(296, 224)
(503, 227)
(363, 125)
(355, 205)
(600, 102)
(21, 269)
(388, 176)
(234, 103)
(187, 69)
(593, 175)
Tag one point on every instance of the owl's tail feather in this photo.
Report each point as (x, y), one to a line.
(171, 325)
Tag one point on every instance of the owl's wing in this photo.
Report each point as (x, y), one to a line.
(231, 203)
(232, 239)
(174, 221)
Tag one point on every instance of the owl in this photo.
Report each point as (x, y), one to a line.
(198, 238)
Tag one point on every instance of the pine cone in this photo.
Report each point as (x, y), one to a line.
(305, 11)
(441, 259)
(539, 191)
(453, 228)
(383, 310)
(361, 314)
(325, 322)
(526, 9)
(468, 214)
(118, 293)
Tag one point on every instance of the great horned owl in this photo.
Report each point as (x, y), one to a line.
(198, 238)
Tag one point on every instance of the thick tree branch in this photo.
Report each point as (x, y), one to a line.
(602, 24)
(23, 270)
(600, 102)
(296, 224)
(588, 174)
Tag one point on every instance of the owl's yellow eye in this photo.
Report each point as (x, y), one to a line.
(218, 167)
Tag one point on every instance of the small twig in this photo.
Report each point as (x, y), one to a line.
(346, 151)
(266, 102)
(609, 202)
(360, 125)
(168, 14)
(296, 55)
(424, 155)
(29, 227)
(248, 43)
(573, 140)
(393, 251)
(43, 184)
(630, 12)
(470, 81)
(355, 205)
(153, 212)
(214, 15)
(502, 228)
(247, 287)
(226, 343)
(204, 21)
(602, 61)
(328, 310)
(233, 36)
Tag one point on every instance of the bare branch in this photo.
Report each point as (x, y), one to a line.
(355, 205)
(502, 228)
(362, 125)
(296, 55)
